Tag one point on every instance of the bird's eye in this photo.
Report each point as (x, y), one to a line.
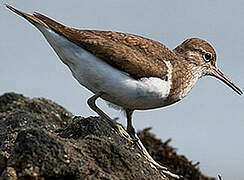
(207, 56)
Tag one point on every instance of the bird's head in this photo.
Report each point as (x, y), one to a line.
(202, 55)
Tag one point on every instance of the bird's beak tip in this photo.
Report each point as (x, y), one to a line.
(218, 74)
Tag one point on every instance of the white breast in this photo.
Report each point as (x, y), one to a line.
(96, 75)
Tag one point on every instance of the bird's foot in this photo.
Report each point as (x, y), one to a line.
(91, 102)
(165, 173)
(134, 140)
(112, 122)
(115, 119)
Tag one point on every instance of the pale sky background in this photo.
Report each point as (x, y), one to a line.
(207, 126)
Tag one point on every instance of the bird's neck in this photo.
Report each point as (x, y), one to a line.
(184, 77)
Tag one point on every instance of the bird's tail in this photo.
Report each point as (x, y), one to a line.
(38, 19)
(31, 18)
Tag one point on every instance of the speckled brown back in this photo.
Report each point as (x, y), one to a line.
(135, 55)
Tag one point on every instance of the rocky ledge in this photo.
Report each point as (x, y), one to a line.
(39, 139)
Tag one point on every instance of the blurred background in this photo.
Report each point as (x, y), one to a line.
(207, 126)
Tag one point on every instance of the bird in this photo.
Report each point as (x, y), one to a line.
(129, 71)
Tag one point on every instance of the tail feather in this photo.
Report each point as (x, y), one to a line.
(31, 18)
(39, 19)
(51, 23)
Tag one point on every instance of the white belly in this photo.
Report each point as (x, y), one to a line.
(97, 76)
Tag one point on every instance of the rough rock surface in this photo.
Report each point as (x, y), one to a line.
(41, 140)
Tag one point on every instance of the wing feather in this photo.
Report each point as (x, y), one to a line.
(137, 56)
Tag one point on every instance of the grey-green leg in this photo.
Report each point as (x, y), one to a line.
(131, 131)
(92, 104)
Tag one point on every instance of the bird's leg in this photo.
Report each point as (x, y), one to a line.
(131, 131)
(92, 104)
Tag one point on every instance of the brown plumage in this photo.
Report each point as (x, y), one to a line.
(138, 56)
(135, 55)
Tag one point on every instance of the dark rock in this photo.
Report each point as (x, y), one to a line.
(167, 156)
(41, 140)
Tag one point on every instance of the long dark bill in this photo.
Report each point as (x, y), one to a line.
(218, 74)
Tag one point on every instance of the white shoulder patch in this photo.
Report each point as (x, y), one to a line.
(156, 86)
